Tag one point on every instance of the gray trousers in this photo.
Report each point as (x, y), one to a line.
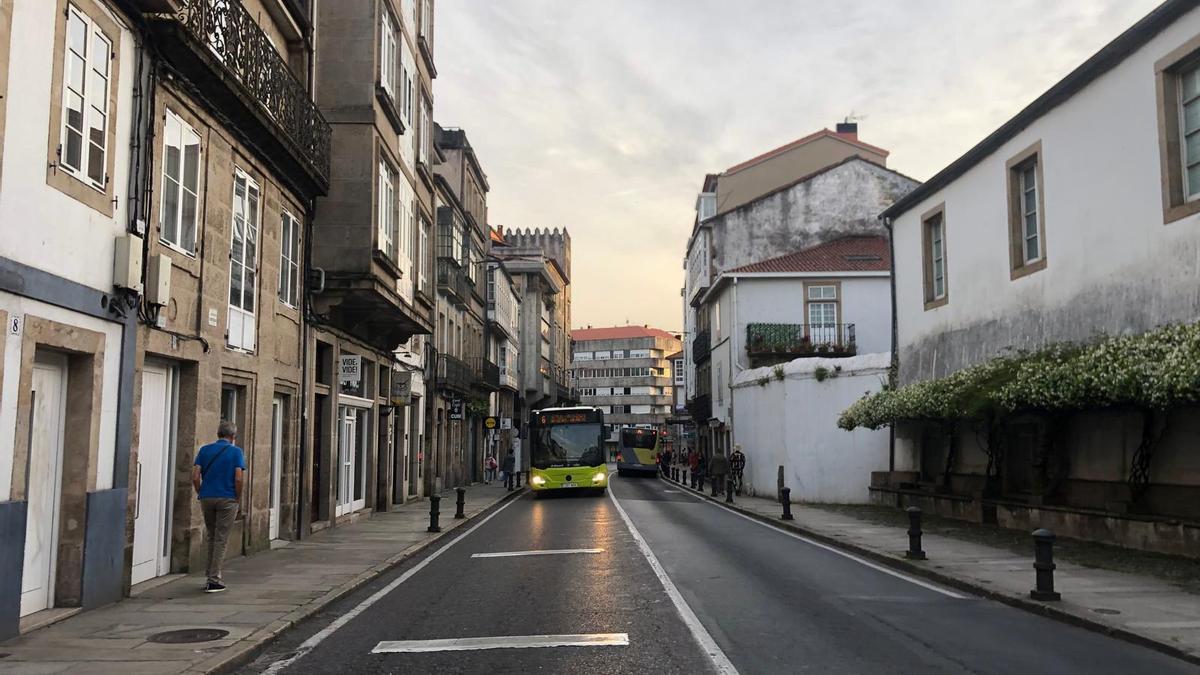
(219, 515)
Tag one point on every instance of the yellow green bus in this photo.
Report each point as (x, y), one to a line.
(566, 447)
(637, 451)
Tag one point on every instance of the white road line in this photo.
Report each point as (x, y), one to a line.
(831, 549)
(699, 633)
(502, 642)
(559, 551)
(312, 642)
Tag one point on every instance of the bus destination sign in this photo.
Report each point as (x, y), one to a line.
(580, 417)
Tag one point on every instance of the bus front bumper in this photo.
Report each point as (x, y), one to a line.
(575, 477)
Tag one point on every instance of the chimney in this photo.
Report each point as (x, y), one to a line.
(848, 129)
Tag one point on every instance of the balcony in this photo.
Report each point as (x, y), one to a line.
(452, 281)
(509, 378)
(565, 394)
(228, 61)
(777, 342)
(487, 374)
(700, 408)
(701, 347)
(454, 374)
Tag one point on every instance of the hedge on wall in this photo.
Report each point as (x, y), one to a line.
(1158, 369)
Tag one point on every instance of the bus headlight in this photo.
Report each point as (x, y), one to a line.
(598, 477)
(538, 480)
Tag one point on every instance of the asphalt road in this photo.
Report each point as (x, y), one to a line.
(771, 602)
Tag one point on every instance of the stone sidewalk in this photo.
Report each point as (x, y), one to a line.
(268, 593)
(1141, 609)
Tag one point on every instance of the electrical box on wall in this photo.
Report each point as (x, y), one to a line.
(127, 262)
(158, 280)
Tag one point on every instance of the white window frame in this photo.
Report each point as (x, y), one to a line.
(423, 255)
(1183, 103)
(387, 216)
(1029, 207)
(289, 259)
(389, 54)
(241, 321)
(90, 112)
(937, 256)
(172, 234)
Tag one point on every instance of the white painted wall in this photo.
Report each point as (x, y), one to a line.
(1113, 266)
(793, 423)
(41, 226)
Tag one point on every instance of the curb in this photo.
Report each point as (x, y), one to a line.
(251, 646)
(905, 565)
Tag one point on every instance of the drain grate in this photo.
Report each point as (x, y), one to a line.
(188, 636)
(1102, 610)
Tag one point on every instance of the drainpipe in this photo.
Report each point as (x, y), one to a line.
(733, 359)
(894, 366)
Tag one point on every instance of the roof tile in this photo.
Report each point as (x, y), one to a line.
(848, 254)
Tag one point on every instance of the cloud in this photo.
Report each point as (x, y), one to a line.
(604, 117)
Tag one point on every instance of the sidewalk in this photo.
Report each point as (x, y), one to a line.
(268, 593)
(1135, 607)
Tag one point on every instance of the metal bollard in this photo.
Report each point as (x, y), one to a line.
(518, 480)
(1043, 562)
(914, 551)
(462, 501)
(785, 496)
(729, 491)
(434, 503)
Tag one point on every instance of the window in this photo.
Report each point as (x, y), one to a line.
(1026, 212)
(639, 353)
(289, 261)
(423, 257)
(600, 356)
(243, 262)
(933, 225)
(388, 55)
(83, 148)
(388, 236)
(178, 211)
(583, 356)
(822, 307)
(426, 130)
(1178, 92)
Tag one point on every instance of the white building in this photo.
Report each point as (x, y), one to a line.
(820, 188)
(1041, 234)
(70, 272)
(504, 331)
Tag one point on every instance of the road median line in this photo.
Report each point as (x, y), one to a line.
(917, 569)
(249, 648)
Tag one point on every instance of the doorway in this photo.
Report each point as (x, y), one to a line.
(352, 458)
(278, 414)
(48, 412)
(155, 466)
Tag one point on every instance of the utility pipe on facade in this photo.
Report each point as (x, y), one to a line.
(894, 366)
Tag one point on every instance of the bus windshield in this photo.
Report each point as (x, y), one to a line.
(636, 438)
(567, 445)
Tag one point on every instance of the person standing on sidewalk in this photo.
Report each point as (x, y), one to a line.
(509, 465)
(737, 464)
(218, 477)
(490, 465)
(719, 469)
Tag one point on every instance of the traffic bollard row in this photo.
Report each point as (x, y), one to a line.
(1043, 564)
(462, 502)
(434, 502)
(914, 551)
(785, 496)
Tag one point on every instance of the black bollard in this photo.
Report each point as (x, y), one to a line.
(729, 491)
(785, 496)
(462, 502)
(1043, 562)
(914, 551)
(518, 480)
(434, 503)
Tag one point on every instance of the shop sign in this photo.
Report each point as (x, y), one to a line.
(456, 409)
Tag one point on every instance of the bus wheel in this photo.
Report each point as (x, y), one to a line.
(599, 492)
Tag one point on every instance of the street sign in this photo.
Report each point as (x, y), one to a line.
(505, 422)
(490, 422)
(456, 409)
(401, 387)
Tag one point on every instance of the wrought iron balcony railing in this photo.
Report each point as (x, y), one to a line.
(236, 41)
(795, 340)
(454, 374)
(487, 374)
(701, 346)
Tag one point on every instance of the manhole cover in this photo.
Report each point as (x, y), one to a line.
(1102, 610)
(188, 635)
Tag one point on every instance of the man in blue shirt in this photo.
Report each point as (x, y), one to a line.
(217, 477)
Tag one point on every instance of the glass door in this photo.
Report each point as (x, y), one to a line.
(352, 441)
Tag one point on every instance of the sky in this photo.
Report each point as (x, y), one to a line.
(604, 117)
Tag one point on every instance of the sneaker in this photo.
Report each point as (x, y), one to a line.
(214, 587)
